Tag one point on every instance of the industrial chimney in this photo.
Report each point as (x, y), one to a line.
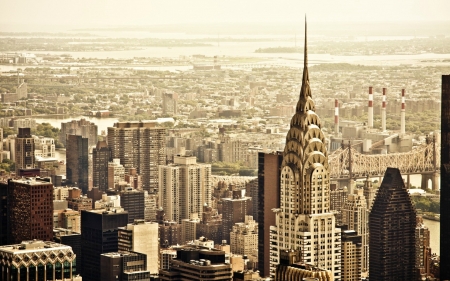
(336, 117)
(402, 116)
(370, 109)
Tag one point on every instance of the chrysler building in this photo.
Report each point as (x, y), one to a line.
(304, 221)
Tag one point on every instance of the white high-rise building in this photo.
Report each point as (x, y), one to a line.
(356, 216)
(304, 221)
(186, 185)
(244, 238)
(141, 237)
(116, 173)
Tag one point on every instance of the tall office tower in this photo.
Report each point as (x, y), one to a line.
(139, 145)
(198, 263)
(99, 230)
(123, 266)
(77, 170)
(150, 201)
(101, 155)
(445, 178)
(3, 213)
(192, 182)
(423, 250)
(133, 201)
(210, 225)
(304, 220)
(392, 224)
(189, 228)
(169, 105)
(338, 197)
(116, 173)
(37, 260)
(143, 237)
(24, 150)
(80, 127)
(356, 217)
(369, 193)
(234, 210)
(30, 210)
(72, 239)
(134, 179)
(244, 237)
(269, 165)
(351, 256)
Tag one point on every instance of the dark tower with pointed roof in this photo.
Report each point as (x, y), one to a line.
(304, 221)
(392, 224)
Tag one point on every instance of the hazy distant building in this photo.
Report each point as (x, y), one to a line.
(392, 224)
(101, 155)
(80, 127)
(77, 158)
(139, 145)
(44, 147)
(30, 210)
(169, 105)
(24, 150)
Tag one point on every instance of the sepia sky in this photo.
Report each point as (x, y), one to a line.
(64, 14)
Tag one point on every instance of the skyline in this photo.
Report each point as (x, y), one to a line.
(49, 15)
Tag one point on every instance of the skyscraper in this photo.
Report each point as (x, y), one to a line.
(99, 230)
(80, 127)
(30, 210)
(268, 198)
(235, 210)
(304, 221)
(101, 155)
(192, 182)
(392, 224)
(77, 158)
(445, 178)
(139, 145)
(24, 150)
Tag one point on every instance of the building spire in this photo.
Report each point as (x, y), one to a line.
(305, 91)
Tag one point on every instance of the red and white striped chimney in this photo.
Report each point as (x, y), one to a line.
(370, 109)
(383, 111)
(402, 114)
(336, 116)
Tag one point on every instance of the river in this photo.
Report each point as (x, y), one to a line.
(434, 227)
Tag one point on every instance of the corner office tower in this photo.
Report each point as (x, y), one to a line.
(304, 221)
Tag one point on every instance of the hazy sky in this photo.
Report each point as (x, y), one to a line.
(64, 14)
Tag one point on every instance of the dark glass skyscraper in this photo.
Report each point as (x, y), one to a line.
(445, 179)
(77, 161)
(101, 156)
(392, 223)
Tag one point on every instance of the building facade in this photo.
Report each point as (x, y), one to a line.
(101, 155)
(24, 148)
(139, 145)
(445, 178)
(244, 238)
(392, 224)
(30, 210)
(77, 158)
(80, 127)
(351, 256)
(304, 220)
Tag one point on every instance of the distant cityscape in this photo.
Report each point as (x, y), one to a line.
(224, 167)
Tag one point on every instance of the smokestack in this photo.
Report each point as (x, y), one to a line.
(336, 117)
(402, 116)
(383, 112)
(370, 109)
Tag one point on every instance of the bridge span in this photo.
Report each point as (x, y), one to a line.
(346, 163)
